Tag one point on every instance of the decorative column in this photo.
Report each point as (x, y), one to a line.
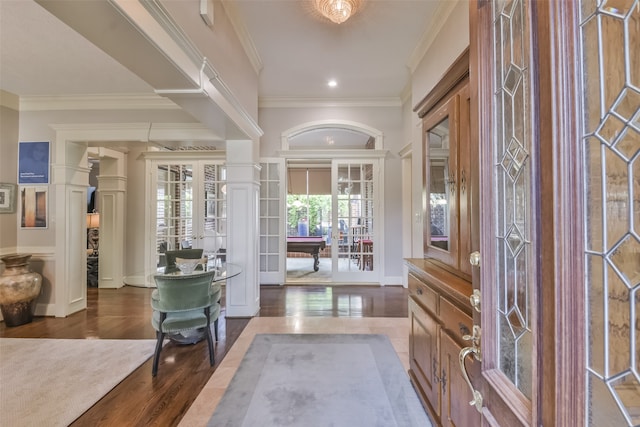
(243, 192)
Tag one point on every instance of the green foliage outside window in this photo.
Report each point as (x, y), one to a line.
(313, 208)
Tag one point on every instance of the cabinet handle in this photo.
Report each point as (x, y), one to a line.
(436, 378)
(463, 181)
(443, 379)
(452, 183)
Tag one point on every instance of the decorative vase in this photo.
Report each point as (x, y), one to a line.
(19, 287)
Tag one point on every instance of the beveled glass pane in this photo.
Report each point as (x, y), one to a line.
(521, 201)
(602, 410)
(616, 184)
(524, 372)
(502, 182)
(502, 288)
(507, 349)
(627, 389)
(521, 282)
(633, 35)
(635, 187)
(587, 8)
(593, 175)
(617, 7)
(629, 143)
(612, 58)
(629, 103)
(513, 194)
(611, 319)
(505, 23)
(517, 38)
(625, 259)
(619, 338)
(610, 129)
(591, 76)
(618, 327)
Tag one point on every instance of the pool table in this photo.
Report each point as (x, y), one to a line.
(309, 245)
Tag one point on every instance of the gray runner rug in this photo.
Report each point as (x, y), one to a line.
(323, 380)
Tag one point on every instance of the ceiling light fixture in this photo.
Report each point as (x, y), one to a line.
(337, 11)
(332, 83)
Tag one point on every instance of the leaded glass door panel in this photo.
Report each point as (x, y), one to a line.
(509, 272)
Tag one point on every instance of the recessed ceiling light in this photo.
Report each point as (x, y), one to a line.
(332, 83)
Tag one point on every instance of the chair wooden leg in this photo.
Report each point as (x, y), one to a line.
(215, 328)
(210, 345)
(156, 356)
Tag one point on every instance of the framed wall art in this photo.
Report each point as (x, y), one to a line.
(33, 206)
(33, 162)
(7, 198)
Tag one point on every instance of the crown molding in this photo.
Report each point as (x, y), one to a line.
(243, 34)
(97, 102)
(294, 102)
(443, 11)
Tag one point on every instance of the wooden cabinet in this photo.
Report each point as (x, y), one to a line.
(447, 170)
(440, 315)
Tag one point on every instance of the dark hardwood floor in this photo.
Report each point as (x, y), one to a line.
(125, 313)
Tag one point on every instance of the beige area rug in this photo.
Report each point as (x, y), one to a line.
(53, 381)
(396, 329)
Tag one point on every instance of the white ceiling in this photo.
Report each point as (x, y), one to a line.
(369, 55)
(299, 51)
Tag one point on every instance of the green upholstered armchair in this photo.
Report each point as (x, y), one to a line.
(170, 258)
(185, 303)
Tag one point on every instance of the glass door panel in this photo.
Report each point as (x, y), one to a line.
(354, 258)
(271, 195)
(174, 208)
(184, 221)
(611, 144)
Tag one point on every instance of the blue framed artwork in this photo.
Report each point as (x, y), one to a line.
(33, 162)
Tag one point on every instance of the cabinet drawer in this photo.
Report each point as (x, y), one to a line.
(455, 321)
(423, 294)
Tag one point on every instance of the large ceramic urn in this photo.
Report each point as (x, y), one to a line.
(19, 287)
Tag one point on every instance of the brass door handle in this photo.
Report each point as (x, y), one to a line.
(477, 396)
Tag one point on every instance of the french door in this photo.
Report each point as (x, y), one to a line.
(356, 241)
(190, 207)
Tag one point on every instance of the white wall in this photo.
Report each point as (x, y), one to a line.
(9, 120)
(221, 46)
(389, 120)
(449, 43)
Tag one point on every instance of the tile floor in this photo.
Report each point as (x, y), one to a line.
(205, 404)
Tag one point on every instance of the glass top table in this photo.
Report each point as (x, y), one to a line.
(223, 271)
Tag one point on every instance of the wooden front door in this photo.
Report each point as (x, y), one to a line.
(558, 119)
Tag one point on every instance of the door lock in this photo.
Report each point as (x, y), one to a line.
(474, 298)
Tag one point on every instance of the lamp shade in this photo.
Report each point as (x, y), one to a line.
(93, 220)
